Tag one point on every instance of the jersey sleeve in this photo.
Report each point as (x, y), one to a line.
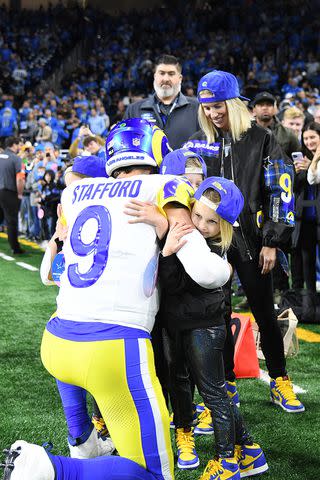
(206, 268)
(176, 189)
(45, 268)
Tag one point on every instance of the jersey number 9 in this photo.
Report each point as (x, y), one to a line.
(98, 247)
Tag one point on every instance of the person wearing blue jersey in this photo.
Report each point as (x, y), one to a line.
(8, 125)
(99, 340)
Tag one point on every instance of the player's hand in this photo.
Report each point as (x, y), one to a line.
(143, 212)
(61, 229)
(267, 259)
(174, 239)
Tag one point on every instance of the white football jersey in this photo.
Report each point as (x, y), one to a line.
(110, 265)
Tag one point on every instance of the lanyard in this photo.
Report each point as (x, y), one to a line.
(164, 117)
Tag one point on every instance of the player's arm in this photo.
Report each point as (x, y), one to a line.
(206, 268)
(54, 246)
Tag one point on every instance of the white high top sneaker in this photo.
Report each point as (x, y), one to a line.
(93, 447)
(26, 461)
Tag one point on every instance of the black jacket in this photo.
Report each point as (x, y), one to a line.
(285, 137)
(184, 304)
(246, 164)
(301, 186)
(181, 123)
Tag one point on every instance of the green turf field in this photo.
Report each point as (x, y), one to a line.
(31, 410)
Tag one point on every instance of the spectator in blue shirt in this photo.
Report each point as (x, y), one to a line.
(7, 125)
(96, 123)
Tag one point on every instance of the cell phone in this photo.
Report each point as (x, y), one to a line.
(297, 156)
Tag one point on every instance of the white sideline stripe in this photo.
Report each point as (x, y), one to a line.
(6, 257)
(265, 378)
(21, 264)
(27, 266)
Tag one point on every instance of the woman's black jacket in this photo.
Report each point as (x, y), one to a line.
(246, 162)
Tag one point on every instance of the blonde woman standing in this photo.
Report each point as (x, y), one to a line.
(235, 148)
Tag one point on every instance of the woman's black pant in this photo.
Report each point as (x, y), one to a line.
(201, 351)
(308, 243)
(259, 291)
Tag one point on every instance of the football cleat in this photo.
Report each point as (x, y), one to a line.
(172, 425)
(93, 446)
(282, 394)
(25, 461)
(221, 469)
(200, 407)
(187, 455)
(204, 426)
(100, 426)
(233, 392)
(251, 460)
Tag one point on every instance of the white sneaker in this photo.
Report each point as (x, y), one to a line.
(106, 446)
(26, 461)
(93, 447)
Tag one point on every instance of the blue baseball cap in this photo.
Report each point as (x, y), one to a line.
(231, 202)
(90, 166)
(222, 85)
(174, 163)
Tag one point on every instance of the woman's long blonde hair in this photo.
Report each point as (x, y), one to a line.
(226, 229)
(239, 119)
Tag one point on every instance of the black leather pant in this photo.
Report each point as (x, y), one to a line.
(201, 351)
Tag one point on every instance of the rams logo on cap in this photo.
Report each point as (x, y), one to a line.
(220, 187)
(204, 84)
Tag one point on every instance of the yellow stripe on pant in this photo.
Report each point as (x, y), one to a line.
(120, 375)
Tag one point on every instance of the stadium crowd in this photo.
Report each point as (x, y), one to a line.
(244, 98)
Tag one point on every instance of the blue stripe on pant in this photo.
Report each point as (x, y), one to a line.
(143, 406)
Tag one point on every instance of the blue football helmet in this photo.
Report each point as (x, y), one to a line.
(135, 142)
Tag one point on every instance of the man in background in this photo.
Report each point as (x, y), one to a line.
(168, 108)
(264, 110)
(12, 180)
(294, 119)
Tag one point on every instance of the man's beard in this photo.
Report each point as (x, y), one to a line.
(265, 118)
(167, 92)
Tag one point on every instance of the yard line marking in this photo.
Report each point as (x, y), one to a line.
(27, 266)
(307, 335)
(21, 264)
(265, 378)
(6, 257)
